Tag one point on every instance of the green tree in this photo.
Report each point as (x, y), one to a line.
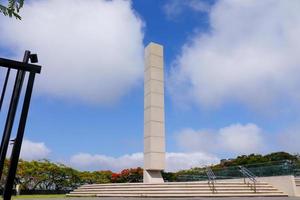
(45, 175)
(277, 163)
(169, 176)
(12, 9)
(97, 177)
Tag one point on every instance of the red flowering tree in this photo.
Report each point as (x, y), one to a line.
(132, 175)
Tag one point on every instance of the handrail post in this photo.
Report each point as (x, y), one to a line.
(248, 174)
(4, 87)
(211, 179)
(12, 112)
(18, 142)
(22, 68)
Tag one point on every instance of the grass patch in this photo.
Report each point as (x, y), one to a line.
(39, 196)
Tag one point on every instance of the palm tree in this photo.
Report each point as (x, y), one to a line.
(12, 9)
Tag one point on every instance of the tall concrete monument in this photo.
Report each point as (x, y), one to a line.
(154, 154)
(154, 116)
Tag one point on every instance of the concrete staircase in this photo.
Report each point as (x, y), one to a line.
(297, 181)
(178, 189)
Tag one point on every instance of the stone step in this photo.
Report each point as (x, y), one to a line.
(175, 186)
(165, 188)
(181, 189)
(182, 195)
(185, 187)
(178, 192)
(168, 186)
(178, 195)
(193, 195)
(297, 181)
(171, 183)
(171, 189)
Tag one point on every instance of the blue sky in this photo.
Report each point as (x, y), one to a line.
(230, 68)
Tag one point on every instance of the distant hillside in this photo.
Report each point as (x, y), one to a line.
(253, 159)
(278, 163)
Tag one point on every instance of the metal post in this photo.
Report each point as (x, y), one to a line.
(4, 87)
(18, 141)
(12, 112)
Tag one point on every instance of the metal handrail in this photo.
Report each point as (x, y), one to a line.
(211, 179)
(248, 174)
(22, 68)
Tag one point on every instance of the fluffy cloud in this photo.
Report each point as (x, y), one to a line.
(241, 139)
(289, 140)
(234, 139)
(32, 150)
(174, 8)
(102, 162)
(179, 161)
(250, 56)
(175, 161)
(91, 50)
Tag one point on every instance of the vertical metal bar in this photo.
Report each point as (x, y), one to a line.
(12, 112)
(18, 142)
(4, 87)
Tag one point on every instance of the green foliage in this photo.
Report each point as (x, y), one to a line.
(98, 177)
(278, 156)
(279, 163)
(169, 176)
(46, 175)
(128, 176)
(40, 196)
(12, 9)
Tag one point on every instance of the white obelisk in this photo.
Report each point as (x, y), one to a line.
(154, 116)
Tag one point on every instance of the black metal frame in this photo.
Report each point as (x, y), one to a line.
(22, 68)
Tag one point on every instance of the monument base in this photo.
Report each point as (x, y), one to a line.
(184, 190)
(153, 176)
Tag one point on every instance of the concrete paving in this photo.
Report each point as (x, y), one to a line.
(125, 198)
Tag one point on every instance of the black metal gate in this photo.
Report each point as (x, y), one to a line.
(22, 69)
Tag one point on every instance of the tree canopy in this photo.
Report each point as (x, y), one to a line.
(46, 175)
(278, 163)
(12, 9)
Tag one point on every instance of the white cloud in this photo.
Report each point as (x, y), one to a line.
(179, 161)
(250, 56)
(175, 161)
(289, 139)
(173, 8)
(234, 139)
(102, 162)
(192, 140)
(241, 139)
(32, 150)
(91, 50)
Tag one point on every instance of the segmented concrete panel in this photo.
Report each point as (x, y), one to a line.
(154, 116)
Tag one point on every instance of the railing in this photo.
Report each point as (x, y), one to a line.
(22, 69)
(211, 179)
(248, 175)
(191, 177)
(275, 168)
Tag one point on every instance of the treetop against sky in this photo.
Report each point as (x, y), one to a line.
(232, 84)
